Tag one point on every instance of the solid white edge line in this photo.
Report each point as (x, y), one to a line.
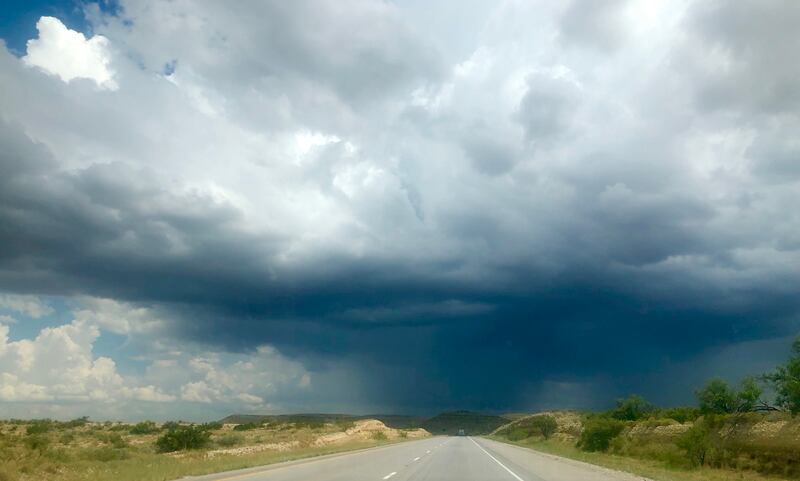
(393, 473)
(512, 473)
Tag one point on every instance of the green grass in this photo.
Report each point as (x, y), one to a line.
(657, 470)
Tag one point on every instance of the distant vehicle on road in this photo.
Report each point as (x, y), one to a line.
(461, 432)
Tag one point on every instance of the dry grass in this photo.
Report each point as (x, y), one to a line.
(109, 452)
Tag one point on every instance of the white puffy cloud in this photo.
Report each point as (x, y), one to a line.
(69, 55)
(59, 366)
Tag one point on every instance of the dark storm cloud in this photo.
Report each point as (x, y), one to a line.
(577, 258)
(92, 232)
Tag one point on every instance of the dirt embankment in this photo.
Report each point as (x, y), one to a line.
(568, 424)
(256, 448)
(368, 429)
(360, 431)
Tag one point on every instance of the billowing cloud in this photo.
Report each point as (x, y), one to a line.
(549, 203)
(59, 366)
(69, 55)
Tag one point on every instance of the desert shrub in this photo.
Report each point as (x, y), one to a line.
(119, 427)
(379, 436)
(144, 427)
(343, 425)
(598, 432)
(696, 442)
(246, 426)
(681, 414)
(66, 438)
(37, 442)
(170, 425)
(229, 440)
(212, 426)
(403, 433)
(632, 409)
(39, 427)
(114, 439)
(76, 423)
(183, 438)
(546, 425)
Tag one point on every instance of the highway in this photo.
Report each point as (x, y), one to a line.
(460, 458)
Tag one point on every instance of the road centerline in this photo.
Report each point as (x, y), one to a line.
(512, 473)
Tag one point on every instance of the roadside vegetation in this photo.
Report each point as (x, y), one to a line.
(746, 431)
(81, 450)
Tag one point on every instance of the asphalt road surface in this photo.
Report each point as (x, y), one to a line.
(440, 459)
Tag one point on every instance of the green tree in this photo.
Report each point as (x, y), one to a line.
(716, 397)
(632, 409)
(749, 395)
(786, 381)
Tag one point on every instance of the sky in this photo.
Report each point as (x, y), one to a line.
(400, 206)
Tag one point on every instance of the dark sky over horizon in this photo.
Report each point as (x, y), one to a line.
(371, 206)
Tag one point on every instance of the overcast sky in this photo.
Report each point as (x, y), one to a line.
(373, 206)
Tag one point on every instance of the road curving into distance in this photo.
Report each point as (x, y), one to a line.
(459, 458)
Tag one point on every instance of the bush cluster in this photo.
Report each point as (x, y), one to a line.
(598, 431)
(145, 427)
(182, 438)
(229, 440)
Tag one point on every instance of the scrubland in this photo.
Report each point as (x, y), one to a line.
(741, 446)
(80, 450)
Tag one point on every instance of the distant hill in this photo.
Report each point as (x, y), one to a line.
(395, 421)
(472, 423)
